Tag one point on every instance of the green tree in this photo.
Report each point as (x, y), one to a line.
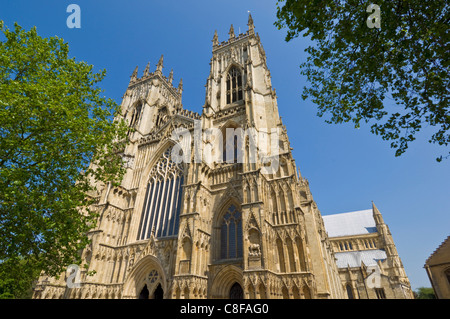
(17, 284)
(424, 293)
(57, 136)
(354, 70)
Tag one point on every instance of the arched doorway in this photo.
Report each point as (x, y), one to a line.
(146, 280)
(227, 283)
(159, 292)
(236, 291)
(144, 293)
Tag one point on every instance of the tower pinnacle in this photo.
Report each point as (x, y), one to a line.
(180, 86)
(377, 215)
(134, 75)
(147, 69)
(231, 32)
(215, 39)
(170, 76)
(159, 66)
(251, 26)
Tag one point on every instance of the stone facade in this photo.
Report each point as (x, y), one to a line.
(206, 229)
(437, 267)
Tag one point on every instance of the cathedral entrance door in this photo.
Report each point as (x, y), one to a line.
(144, 293)
(159, 293)
(236, 291)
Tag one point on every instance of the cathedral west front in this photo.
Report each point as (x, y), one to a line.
(212, 205)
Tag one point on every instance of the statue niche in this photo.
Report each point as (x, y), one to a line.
(254, 248)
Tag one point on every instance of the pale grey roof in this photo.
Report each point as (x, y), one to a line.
(348, 224)
(354, 258)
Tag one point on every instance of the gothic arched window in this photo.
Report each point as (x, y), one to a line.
(234, 85)
(234, 159)
(231, 234)
(136, 114)
(232, 140)
(162, 117)
(162, 204)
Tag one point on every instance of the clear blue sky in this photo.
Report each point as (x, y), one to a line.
(347, 168)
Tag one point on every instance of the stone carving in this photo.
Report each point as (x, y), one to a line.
(254, 250)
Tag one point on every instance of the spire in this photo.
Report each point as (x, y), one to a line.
(159, 66)
(147, 68)
(215, 39)
(170, 76)
(250, 24)
(231, 33)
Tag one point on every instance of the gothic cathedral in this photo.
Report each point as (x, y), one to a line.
(227, 228)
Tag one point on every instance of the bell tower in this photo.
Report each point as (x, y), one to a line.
(239, 76)
(244, 228)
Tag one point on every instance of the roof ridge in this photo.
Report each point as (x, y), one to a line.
(356, 211)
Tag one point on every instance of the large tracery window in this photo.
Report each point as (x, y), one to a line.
(234, 85)
(162, 204)
(231, 234)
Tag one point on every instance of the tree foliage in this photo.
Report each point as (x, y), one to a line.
(57, 135)
(424, 293)
(16, 278)
(396, 77)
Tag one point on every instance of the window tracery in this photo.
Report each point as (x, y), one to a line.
(136, 115)
(152, 276)
(231, 234)
(162, 203)
(234, 85)
(162, 117)
(232, 157)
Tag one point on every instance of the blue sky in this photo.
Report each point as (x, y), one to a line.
(347, 168)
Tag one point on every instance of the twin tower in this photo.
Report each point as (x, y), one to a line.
(206, 229)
